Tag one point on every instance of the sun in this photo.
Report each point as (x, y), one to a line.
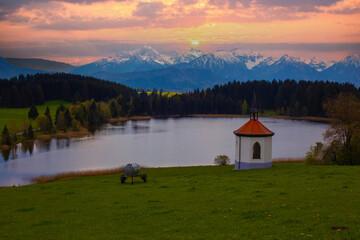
(195, 43)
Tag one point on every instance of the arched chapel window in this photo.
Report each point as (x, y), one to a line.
(256, 151)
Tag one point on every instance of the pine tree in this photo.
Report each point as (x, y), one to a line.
(47, 113)
(5, 137)
(30, 132)
(68, 118)
(33, 112)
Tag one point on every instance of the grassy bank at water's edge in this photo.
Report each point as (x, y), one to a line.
(20, 115)
(288, 201)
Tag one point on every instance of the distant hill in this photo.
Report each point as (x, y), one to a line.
(8, 70)
(168, 79)
(40, 64)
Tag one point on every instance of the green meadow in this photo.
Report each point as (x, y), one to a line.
(288, 201)
(20, 115)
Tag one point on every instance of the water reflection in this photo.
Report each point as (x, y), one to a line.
(5, 154)
(27, 148)
(155, 143)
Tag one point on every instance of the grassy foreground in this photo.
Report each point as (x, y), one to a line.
(20, 115)
(288, 201)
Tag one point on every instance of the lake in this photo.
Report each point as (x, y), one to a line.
(153, 143)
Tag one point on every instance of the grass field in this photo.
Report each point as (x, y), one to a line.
(288, 201)
(20, 115)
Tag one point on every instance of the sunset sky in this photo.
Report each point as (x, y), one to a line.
(80, 31)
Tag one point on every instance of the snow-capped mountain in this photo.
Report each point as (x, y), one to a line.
(185, 57)
(236, 64)
(286, 67)
(230, 65)
(347, 70)
(318, 64)
(142, 59)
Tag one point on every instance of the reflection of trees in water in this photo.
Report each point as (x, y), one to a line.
(140, 129)
(9, 153)
(13, 152)
(5, 154)
(62, 143)
(27, 146)
(43, 145)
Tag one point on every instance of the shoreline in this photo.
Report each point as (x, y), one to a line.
(84, 132)
(311, 119)
(117, 170)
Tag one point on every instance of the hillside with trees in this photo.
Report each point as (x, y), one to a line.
(289, 97)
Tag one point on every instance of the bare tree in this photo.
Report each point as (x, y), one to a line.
(343, 135)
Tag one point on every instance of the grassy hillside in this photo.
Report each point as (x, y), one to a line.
(288, 201)
(20, 115)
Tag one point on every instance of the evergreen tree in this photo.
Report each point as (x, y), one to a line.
(47, 113)
(59, 109)
(33, 112)
(68, 118)
(30, 132)
(5, 137)
(244, 107)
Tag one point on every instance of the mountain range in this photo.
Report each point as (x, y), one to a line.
(147, 68)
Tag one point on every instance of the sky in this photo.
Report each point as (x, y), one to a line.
(82, 31)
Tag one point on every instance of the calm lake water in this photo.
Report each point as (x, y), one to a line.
(153, 143)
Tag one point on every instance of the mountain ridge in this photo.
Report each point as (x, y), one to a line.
(235, 64)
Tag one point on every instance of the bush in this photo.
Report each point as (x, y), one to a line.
(222, 160)
(315, 154)
(44, 123)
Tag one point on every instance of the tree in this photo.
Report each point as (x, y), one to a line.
(30, 132)
(244, 107)
(47, 113)
(5, 137)
(33, 112)
(60, 122)
(44, 123)
(68, 118)
(222, 160)
(343, 135)
(12, 130)
(59, 109)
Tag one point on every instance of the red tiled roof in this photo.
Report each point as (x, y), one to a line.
(253, 128)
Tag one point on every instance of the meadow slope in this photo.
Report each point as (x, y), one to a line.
(288, 201)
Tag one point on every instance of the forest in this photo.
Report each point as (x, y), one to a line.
(288, 97)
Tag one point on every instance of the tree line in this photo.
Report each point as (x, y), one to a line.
(24, 91)
(289, 97)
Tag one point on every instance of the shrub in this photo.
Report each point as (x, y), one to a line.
(315, 154)
(44, 123)
(75, 125)
(222, 160)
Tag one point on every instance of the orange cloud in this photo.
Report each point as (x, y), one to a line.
(46, 22)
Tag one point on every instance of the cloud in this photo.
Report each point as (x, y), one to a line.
(95, 24)
(298, 5)
(149, 9)
(55, 15)
(104, 48)
(346, 11)
(9, 6)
